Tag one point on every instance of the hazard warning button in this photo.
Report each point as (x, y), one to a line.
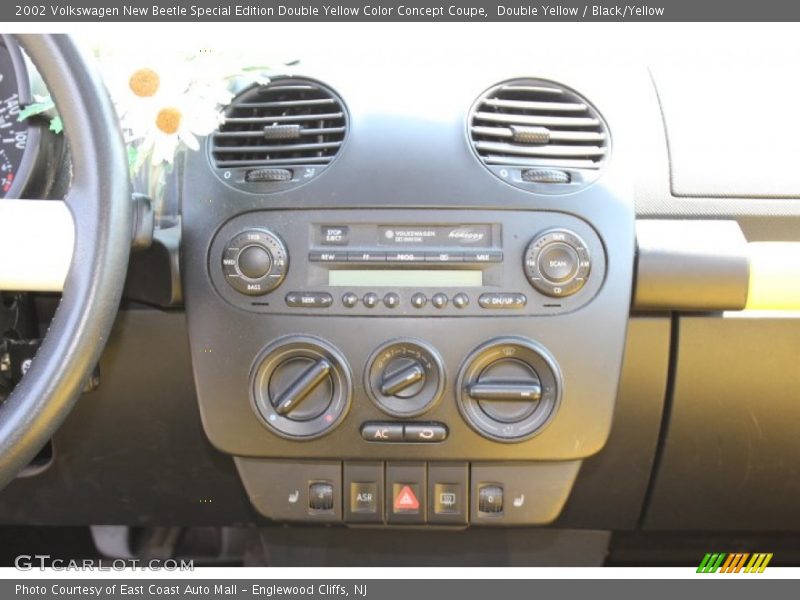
(405, 497)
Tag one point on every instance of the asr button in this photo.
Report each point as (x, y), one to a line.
(382, 432)
(308, 299)
(364, 498)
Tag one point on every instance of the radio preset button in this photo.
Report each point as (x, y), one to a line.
(502, 300)
(419, 300)
(439, 300)
(349, 299)
(460, 300)
(391, 300)
(370, 300)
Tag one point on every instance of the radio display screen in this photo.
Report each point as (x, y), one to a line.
(405, 278)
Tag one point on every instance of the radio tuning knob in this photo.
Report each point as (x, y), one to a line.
(557, 263)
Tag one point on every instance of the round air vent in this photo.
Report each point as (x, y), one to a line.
(279, 135)
(539, 136)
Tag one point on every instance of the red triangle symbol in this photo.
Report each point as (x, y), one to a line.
(406, 500)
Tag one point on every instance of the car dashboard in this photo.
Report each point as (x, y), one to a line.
(467, 297)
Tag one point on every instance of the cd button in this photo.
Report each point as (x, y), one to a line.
(444, 257)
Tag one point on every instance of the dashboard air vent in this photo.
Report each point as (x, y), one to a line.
(279, 135)
(539, 136)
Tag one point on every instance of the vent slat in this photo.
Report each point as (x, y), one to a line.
(281, 148)
(535, 105)
(289, 122)
(545, 120)
(283, 118)
(555, 134)
(548, 150)
(287, 103)
(532, 89)
(258, 134)
(564, 163)
(308, 160)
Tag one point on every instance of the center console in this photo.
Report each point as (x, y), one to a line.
(437, 350)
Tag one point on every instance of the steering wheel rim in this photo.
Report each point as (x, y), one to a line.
(99, 200)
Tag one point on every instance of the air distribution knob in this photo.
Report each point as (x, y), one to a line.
(405, 377)
(301, 387)
(508, 389)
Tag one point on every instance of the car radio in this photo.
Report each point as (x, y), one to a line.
(527, 263)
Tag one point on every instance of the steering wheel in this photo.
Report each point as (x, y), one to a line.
(99, 199)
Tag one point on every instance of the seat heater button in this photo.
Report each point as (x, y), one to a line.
(320, 496)
(490, 499)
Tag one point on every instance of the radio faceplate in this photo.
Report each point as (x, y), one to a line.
(401, 263)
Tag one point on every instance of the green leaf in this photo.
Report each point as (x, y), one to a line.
(56, 126)
(36, 108)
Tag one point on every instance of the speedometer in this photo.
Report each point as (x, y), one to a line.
(18, 139)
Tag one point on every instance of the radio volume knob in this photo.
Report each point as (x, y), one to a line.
(255, 262)
(557, 263)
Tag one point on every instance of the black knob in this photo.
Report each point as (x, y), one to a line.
(301, 387)
(557, 263)
(254, 262)
(405, 377)
(508, 389)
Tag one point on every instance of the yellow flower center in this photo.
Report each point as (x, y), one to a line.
(168, 120)
(144, 82)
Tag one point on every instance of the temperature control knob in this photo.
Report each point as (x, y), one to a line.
(557, 263)
(301, 387)
(405, 377)
(255, 262)
(508, 389)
